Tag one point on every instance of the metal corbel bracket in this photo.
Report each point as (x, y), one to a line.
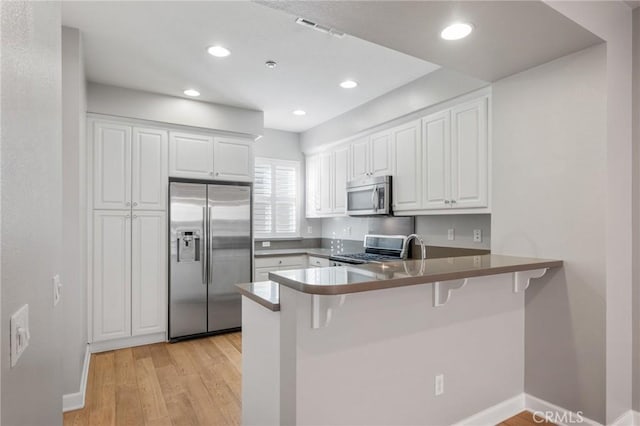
(323, 307)
(522, 279)
(442, 290)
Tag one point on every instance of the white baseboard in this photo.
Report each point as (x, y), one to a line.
(127, 342)
(560, 416)
(75, 401)
(630, 418)
(497, 413)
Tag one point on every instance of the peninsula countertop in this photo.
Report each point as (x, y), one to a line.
(347, 279)
(318, 252)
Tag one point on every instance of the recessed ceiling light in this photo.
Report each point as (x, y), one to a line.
(348, 84)
(299, 112)
(219, 51)
(191, 92)
(271, 64)
(456, 31)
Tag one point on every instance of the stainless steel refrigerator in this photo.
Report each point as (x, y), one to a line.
(210, 250)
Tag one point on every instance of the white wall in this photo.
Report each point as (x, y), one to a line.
(286, 146)
(434, 88)
(31, 219)
(636, 229)
(118, 101)
(74, 214)
(549, 192)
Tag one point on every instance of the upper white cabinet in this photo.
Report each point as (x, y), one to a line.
(326, 182)
(372, 156)
(340, 175)
(439, 164)
(190, 155)
(111, 166)
(469, 155)
(233, 159)
(407, 154)
(456, 160)
(149, 169)
(437, 160)
(129, 167)
(201, 156)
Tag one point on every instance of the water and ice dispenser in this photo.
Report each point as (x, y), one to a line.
(188, 245)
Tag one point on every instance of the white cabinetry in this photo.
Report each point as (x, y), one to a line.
(111, 274)
(233, 159)
(372, 156)
(318, 262)
(326, 182)
(407, 180)
(456, 160)
(111, 166)
(149, 169)
(264, 265)
(190, 155)
(201, 156)
(149, 272)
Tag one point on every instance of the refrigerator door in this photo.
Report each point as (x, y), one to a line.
(229, 253)
(187, 242)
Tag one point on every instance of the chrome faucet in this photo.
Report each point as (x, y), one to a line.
(423, 247)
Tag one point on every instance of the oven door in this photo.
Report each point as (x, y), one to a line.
(368, 200)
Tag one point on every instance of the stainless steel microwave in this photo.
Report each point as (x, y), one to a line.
(369, 196)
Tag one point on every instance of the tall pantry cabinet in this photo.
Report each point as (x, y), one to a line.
(129, 286)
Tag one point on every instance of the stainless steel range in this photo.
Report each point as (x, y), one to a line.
(377, 249)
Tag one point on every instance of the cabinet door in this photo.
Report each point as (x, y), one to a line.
(111, 166)
(111, 274)
(148, 273)
(436, 161)
(262, 274)
(190, 155)
(469, 155)
(340, 173)
(407, 179)
(381, 154)
(233, 159)
(149, 169)
(360, 158)
(326, 180)
(312, 185)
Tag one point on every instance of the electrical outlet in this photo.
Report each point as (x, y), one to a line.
(266, 244)
(347, 231)
(477, 235)
(309, 229)
(20, 335)
(451, 235)
(57, 289)
(439, 385)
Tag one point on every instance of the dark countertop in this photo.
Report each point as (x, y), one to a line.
(266, 293)
(318, 252)
(348, 279)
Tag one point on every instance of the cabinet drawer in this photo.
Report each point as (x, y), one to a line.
(282, 261)
(318, 262)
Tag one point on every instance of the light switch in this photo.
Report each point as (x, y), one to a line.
(266, 244)
(19, 333)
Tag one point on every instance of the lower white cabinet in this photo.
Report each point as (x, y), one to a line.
(318, 262)
(264, 265)
(129, 273)
(148, 272)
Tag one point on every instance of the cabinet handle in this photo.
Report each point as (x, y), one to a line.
(135, 204)
(453, 201)
(210, 173)
(128, 204)
(135, 216)
(280, 262)
(127, 216)
(217, 173)
(447, 201)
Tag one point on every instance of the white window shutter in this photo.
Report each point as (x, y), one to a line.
(276, 198)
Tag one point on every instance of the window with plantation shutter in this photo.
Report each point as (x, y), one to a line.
(276, 198)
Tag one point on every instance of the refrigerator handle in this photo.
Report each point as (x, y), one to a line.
(203, 262)
(210, 251)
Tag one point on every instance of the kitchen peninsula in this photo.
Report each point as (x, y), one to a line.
(396, 343)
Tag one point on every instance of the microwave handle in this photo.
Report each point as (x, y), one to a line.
(374, 199)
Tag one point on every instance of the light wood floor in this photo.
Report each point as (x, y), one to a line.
(196, 382)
